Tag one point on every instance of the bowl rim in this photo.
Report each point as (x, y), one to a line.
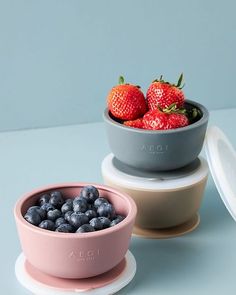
(205, 116)
(132, 211)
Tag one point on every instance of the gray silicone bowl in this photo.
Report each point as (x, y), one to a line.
(157, 150)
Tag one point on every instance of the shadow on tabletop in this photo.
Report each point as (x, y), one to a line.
(166, 260)
(161, 261)
(213, 212)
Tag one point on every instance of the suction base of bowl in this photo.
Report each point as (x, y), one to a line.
(166, 233)
(109, 283)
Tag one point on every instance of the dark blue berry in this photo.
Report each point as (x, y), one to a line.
(79, 197)
(99, 202)
(47, 224)
(92, 207)
(40, 211)
(90, 193)
(67, 207)
(105, 222)
(78, 219)
(56, 199)
(96, 223)
(60, 221)
(117, 220)
(53, 214)
(68, 215)
(119, 217)
(106, 210)
(44, 199)
(91, 214)
(47, 207)
(85, 228)
(33, 217)
(69, 201)
(65, 228)
(80, 205)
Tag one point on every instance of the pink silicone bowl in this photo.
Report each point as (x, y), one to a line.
(76, 255)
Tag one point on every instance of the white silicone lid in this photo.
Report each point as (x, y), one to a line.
(41, 289)
(221, 158)
(129, 177)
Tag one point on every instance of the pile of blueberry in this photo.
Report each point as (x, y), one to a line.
(85, 213)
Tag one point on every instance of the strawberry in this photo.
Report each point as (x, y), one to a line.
(126, 101)
(163, 94)
(138, 123)
(159, 120)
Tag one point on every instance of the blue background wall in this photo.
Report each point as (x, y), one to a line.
(58, 59)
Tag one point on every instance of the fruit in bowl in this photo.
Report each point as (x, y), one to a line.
(126, 101)
(80, 214)
(168, 136)
(162, 109)
(67, 254)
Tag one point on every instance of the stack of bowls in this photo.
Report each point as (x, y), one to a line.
(159, 169)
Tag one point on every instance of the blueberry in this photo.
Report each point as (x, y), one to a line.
(117, 220)
(40, 211)
(65, 228)
(80, 206)
(33, 217)
(47, 224)
(53, 214)
(68, 215)
(91, 214)
(60, 221)
(56, 199)
(85, 228)
(44, 199)
(80, 199)
(119, 217)
(69, 201)
(106, 210)
(67, 207)
(78, 219)
(96, 224)
(92, 207)
(99, 202)
(90, 193)
(47, 207)
(105, 222)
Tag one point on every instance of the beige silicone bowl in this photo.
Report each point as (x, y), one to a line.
(164, 199)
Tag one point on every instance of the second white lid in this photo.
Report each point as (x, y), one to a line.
(129, 177)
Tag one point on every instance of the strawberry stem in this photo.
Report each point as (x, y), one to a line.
(180, 80)
(178, 85)
(195, 113)
(121, 80)
(173, 109)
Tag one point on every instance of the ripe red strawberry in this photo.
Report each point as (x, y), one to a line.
(126, 101)
(158, 120)
(163, 94)
(138, 123)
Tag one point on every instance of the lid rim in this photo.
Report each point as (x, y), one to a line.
(215, 162)
(113, 174)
